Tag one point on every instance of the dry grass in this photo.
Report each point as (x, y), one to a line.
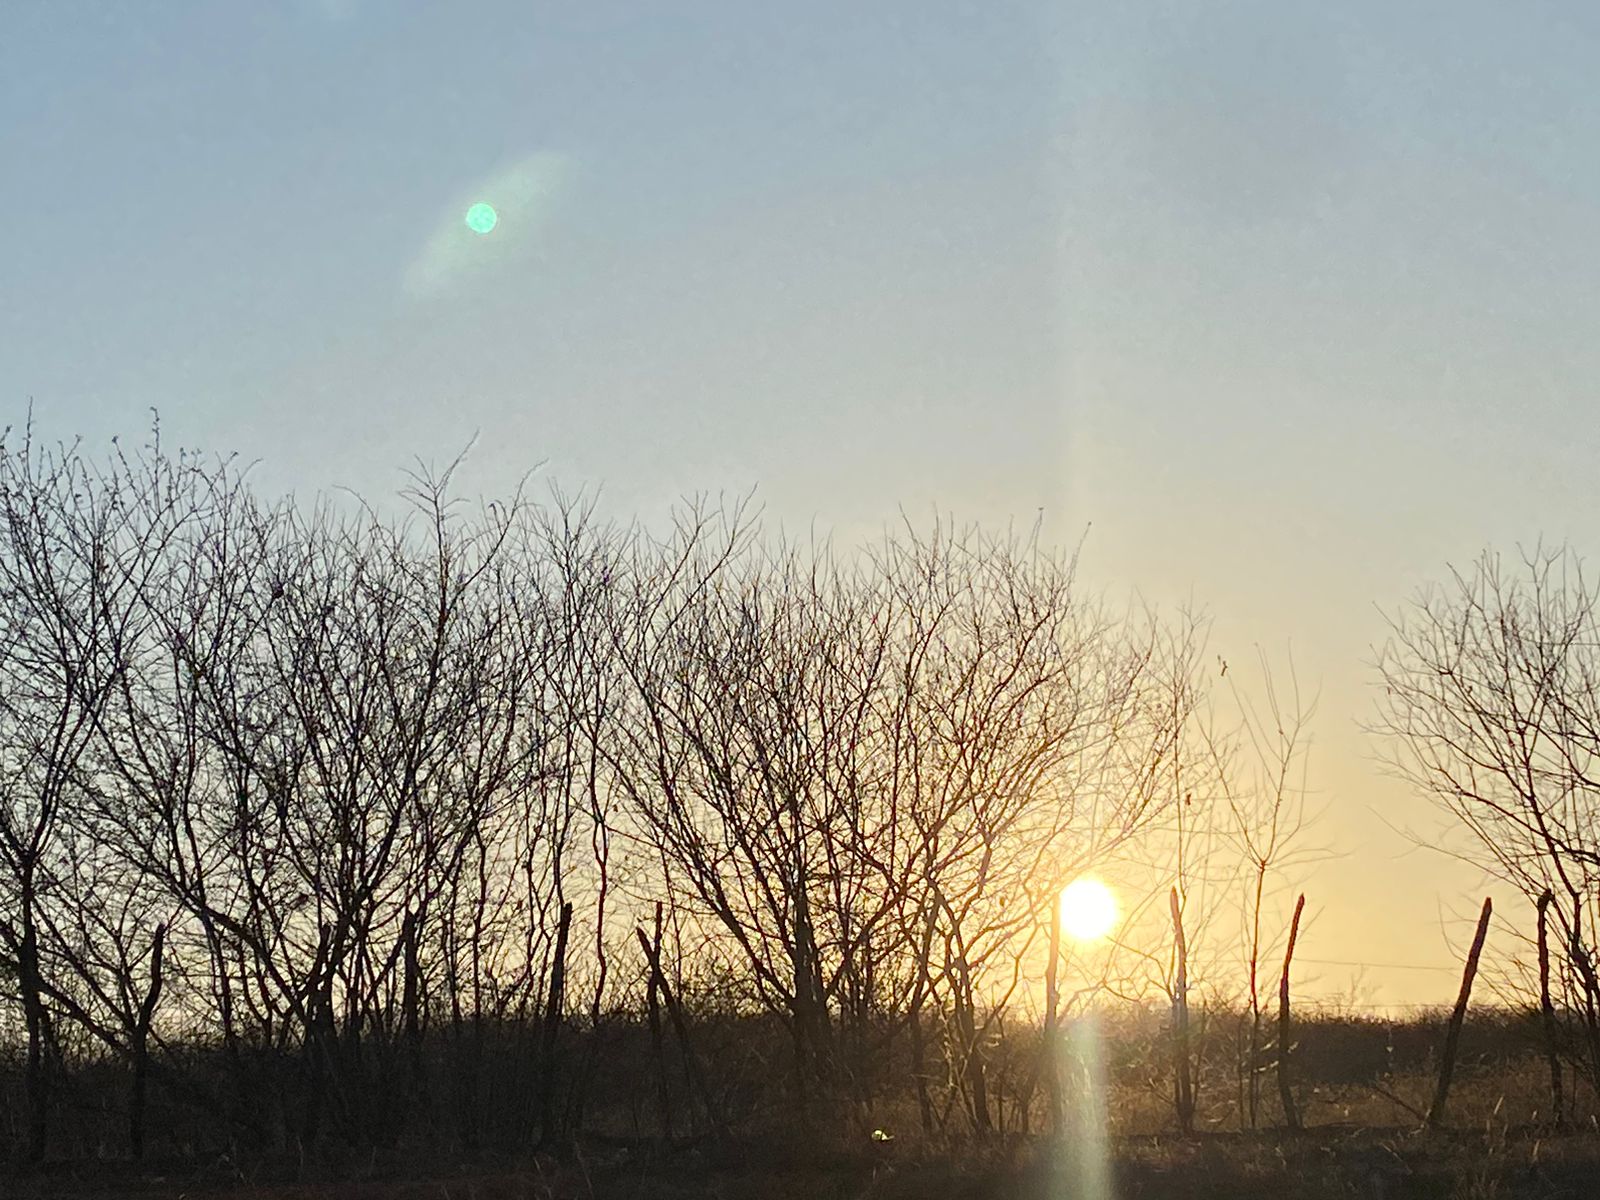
(1327, 1163)
(1363, 1086)
(1494, 1161)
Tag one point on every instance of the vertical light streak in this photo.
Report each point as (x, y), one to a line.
(1085, 1161)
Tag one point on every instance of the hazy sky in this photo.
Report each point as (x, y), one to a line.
(1293, 305)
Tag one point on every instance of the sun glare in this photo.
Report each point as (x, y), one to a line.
(1088, 909)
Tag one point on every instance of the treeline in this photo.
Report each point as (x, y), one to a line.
(338, 822)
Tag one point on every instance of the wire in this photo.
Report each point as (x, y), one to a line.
(1385, 966)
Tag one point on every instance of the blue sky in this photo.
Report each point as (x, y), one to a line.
(1292, 303)
(769, 229)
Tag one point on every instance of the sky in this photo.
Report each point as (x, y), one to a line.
(1287, 305)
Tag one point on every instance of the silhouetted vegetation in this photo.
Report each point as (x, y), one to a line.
(334, 833)
(339, 823)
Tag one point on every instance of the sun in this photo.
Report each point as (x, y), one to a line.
(1088, 909)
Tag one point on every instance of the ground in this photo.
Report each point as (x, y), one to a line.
(1329, 1162)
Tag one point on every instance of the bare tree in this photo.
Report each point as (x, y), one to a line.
(1261, 772)
(78, 545)
(1491, 705)
(330, 817)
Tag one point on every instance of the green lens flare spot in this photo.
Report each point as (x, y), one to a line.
(481, 218)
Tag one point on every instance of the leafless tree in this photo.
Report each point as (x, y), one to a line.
(339, 821)
(1261, 770)
(1491, 706)
(79, 543)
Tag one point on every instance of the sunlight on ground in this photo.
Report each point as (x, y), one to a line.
(1088, 910)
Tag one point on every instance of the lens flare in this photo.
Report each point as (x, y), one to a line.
(491, 224)
(1088, 910)
(481, 218)
(1086, 1152)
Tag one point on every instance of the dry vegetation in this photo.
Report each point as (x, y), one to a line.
(1362, 1079)
(521, 852)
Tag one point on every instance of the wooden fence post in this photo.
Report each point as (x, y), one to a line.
(554, 1007)
(1291, 1114)
(1547, 1011)
(691, 1062)
(1052, 1004)
(1452, 1037)
(657, 1045)
(1184, 1082)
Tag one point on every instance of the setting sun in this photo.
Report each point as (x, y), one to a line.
(930, 599)
(1088, 909)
